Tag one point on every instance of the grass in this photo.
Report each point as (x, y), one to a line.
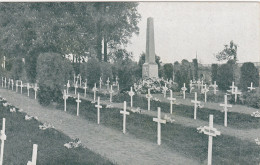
(22, 134)
(185, 140)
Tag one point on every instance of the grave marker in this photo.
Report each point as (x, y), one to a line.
(98, 106)
(251, 87)
(28, 89)
(94, 90)
(159, 121)
(34, 155)
(196, 104)
(80, 78)
(76, 87)
(85, 89)
(236, 92)
(8, 83)
(164, 90)
(232, 87)
(131, 94)
(111, 93)
(183, 90)
(78, 101)
(100, 83)
(191, 86)
(12, 84)
(5, 82)
(198, 83)
(149, 96)
(214, 87)
(108, 83)
(68, 86)
(210, 131)
(65, 97)
(226, 106)
(2, 82)
(205, 91)
(35, 90)
(171, 101)
(16, 85)
(4, 63)
(21, 87)
(124, 116)
(3, 138)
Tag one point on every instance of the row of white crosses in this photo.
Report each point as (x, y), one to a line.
(205, 90)
(214, 87)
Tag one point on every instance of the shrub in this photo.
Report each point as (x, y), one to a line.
(214, 72)
(93, 71)
(17, 69)
(53, 71)
(252, 99)
(225, 76)
(168, 70)
(249, 73)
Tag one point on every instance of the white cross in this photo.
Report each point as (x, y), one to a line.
(74, 78)
(118, 86)
(3, 138)
(183, 90)
(233, 87)
(108, 83)
(124, 112)
(236, 93)
(198, 83)
(202, 85)
(34, 155)
(131, 94)
(35, 90)
(159, 121)
(100, 83)
(149, 96)
(191, 86)
(68, 86)
(78, 101)
(210, 131)
(214, 87)
(21, 87)
(2, 82)
(251, 87)
(116, 80)
(28, 89)
(76, 87)
(171, 101)
(164, 90)
(111, 93)
(196, 104)
(85, 89)
(12, 84)
(65, 97)
(98, 106)
(226, 106)
(95, 90)
(4, 63)
(205, 91)
(16, 85)
(80, 78)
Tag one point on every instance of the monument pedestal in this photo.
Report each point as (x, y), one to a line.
(150, 70)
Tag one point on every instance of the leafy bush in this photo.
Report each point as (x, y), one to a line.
(249, 73)
(214, 72)
(225, 76)
(252, 99)
(18, 69)
(93, 71)
(53, 71)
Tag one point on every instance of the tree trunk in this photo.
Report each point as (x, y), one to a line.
(105, 48)
(99, 41)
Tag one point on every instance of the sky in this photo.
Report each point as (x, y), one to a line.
(183, 28)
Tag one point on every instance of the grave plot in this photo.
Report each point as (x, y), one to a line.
(185, 140)
(22, 134)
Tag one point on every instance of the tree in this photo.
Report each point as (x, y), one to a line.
(249, 73)
(196, 68)
(168, 70)
(229, 52)
(214, 72)
(225, 76)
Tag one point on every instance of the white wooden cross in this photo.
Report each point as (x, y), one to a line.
(21, 87)
(171, 101)
(80, 78)
(226, 106)
(95, 90)
(35, 90)
(131, 94)
(12, 81)
(34, 155)
(5, 82)
(117, 86)
(164, 90)
(214, 87)
(183, 90)
(251, 87)
(205, 91)
(159, 121)
(16, 85)
(116, 80)
(98, 106)
(3, 138)
(191, 86)
(196, 104)
(111, 93)
(65, 97)
(76, 87)
(68, 86)
(202, 85)
(78, 101)
(210, 131)
(74, 78)
(149, 96)
(236, 92)
(4, 63)
(28, 89)
(2, 82)
(85, 89)
(124, 112)
(100, 83)
(108, 83)
(233, 87)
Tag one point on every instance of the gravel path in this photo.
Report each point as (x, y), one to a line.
(113, 144)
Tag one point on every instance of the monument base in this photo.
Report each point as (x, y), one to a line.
(150, 70)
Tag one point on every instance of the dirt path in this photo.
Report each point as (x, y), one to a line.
(114, 145)
(250, 134)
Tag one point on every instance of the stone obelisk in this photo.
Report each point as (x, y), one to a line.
(150, 67)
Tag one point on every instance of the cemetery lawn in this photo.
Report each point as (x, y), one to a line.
(185, 140)
(235, 120)
(22, 134)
